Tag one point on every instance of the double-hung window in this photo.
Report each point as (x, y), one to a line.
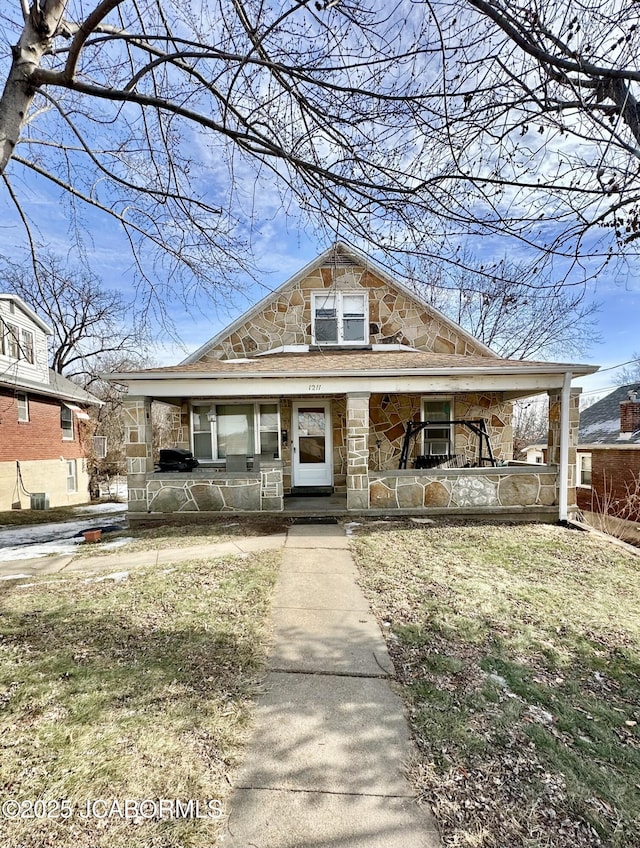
(584, 469)
(26, 345)
(72, 476)
(23, 407)
(66, 422)
(340, 318)
(235, 428)
(11, 341)
(437, 436)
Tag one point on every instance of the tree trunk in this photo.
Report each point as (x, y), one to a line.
(18, 93)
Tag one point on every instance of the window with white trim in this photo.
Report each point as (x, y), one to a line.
(27, 346)
(72, 476)
(437, 438)
(66, 422)
(220, 429)
(23, 407)
(583, 467)
(11, 341)
(340, 318)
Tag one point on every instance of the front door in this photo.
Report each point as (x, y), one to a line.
(312, 454)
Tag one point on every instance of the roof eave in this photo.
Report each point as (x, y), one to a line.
(575, 370)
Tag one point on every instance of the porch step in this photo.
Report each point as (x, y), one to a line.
(311, 491)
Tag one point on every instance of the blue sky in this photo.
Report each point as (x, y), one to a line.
(282, 246)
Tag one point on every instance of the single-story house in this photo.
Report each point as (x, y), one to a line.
(44, 437)
(608, 457)
(344, 380)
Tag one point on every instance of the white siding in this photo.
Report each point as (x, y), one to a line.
(20, 368)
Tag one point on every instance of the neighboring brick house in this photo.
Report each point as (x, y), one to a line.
(43, 418)
(312, 389)
(608, 458)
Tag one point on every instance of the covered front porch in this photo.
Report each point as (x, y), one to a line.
(337, 454)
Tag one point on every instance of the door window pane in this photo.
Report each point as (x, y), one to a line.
(311, 434)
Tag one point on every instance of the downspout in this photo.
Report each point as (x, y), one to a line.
(564, 446)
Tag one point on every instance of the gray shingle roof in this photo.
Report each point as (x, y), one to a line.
(600, 423)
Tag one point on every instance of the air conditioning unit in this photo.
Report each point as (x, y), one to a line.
(39, 500)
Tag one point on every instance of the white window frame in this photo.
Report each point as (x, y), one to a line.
(22, 401)
(67, 434)
(27, 346)
(213, 403)
(317, 297)
(580, 457)
(423, 417)
(72, 476)
(11, 341)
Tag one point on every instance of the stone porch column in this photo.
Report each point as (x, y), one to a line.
(357, 421)
(555, 439)
(138, 447)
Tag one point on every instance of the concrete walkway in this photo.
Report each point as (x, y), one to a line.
(325, 766)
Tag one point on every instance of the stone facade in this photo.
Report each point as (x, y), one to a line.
(200, 491)
(138, 435)
(394, 318)
(457, 488)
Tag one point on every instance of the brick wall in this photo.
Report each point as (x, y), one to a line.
(41, 436)
(611, 472)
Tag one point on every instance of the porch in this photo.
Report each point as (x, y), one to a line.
(350, 441)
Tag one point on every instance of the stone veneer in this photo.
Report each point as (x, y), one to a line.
(389, 414)
(202, 491)
(394, 318)
(462, 488)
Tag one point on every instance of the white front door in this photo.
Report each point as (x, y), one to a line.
(312, 454)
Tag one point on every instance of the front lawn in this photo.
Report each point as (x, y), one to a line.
(127, 688)
(517, 650)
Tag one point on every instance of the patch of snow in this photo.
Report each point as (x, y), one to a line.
(98, 509)
(498, 680)
(14, 576)
(423, 521)
(348, 528)
(58, 537)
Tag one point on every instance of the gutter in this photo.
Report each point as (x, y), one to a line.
(576, 370)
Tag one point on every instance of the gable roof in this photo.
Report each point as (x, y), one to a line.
(19, 302)
(600, 423)
(341, 255)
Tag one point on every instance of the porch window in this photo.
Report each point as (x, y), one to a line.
(436, 436)
(583, 462)
(340, 318)
(235, 428)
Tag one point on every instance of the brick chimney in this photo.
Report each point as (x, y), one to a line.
(630, 413)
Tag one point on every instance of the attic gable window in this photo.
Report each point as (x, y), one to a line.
(339, 318)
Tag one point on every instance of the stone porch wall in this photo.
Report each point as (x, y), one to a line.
(209, 491)
(463, 488)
